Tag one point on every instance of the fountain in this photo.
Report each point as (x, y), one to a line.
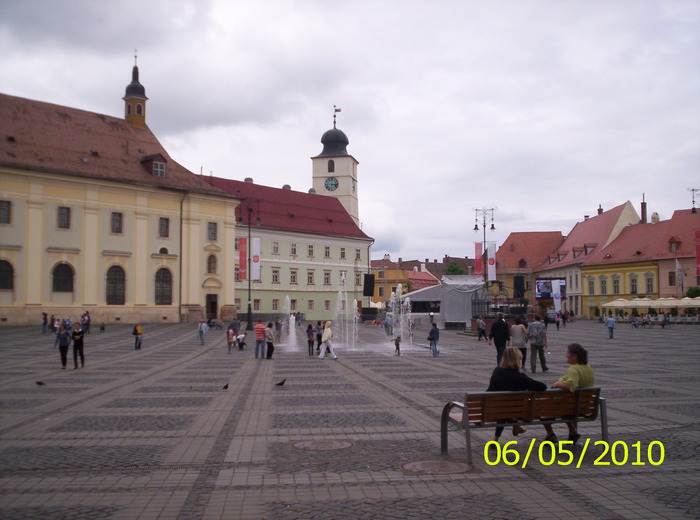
(401, 315)
(345, 327)
(289, 337)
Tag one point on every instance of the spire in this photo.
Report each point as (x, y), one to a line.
(135, 99)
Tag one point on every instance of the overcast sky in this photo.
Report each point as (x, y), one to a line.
(542, 109)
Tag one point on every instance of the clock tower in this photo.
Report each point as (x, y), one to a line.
(335, 171)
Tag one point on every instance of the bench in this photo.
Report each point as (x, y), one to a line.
(491, 409)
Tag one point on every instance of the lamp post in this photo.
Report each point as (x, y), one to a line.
(484, 214)
(249, 210)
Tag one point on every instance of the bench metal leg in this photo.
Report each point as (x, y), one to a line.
(444, 422)
(604, 419)
(467, 434)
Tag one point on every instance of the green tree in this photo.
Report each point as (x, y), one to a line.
(453, 268)
(693, 292)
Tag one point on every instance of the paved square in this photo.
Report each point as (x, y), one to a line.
(152, 434)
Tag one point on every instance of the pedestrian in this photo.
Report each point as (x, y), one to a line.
(240, 339)
(311, 338)
(500, 335)
(481, 328)
(78, 335)
(235, 325)
(44, 323)
(270, 339)
(537, 336)
(63, 339)
(202, 329)
(518, 338)
(138, 336)
(278, 330)
(326, 340)
(388, 325)
(397, 342)
(557, 320)
(319, 335)
(433, 338)
(259, 339)
(610, 324)
(52, 322)
(230, 338)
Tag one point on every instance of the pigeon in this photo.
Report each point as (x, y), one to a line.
(40, 383)
(226, 386)
(281, 383)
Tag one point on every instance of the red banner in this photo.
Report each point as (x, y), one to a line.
(242, 259)
(478, 259)
(697, 252)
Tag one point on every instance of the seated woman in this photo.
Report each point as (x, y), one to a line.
(579, 375)
(507, 378)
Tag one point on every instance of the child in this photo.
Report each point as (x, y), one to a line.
(230, 338)
(397, 342)
(241, 341)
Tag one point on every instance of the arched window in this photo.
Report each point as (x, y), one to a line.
(331, 165)
(128, 109)
(116, 286)
(522, 264)
(164, 287)
(211, 264)
(163, 251)
(7, 275)
(62, 278)
(139, 109)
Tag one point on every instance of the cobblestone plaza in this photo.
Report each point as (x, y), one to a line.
(152, 434)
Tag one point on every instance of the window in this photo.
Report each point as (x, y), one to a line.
(381, 274)
(358, 254)
(342, 253)
(256, 304)
(212, 231)
(117, 220)
(236, 274)
(163, 251)
(633, 284)
(381, 292)
(311, 250)
(616, 286)
(158, 169)
(326, 305)
(326, 277)
(63, 217)
(5, 212)
(293, 249)
(672, 278)
(650, 284)
(528, 285)
(164, 287)
(603, 286)
(116, 285)
(7, 276)
(139, 109)
(163, 227)
(576, 279)
(293, 276)
(309, 277)
(275, 304)
(673, 246)
(310, 305)
(327, 252)
(237, 303)
(331, 166)
(275, 275)
(62, 278)
(293, 305)
(211, 264)
(358, 278)
(275, 248)
(591, 286)
(522, 263)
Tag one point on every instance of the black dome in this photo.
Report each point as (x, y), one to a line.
(334, 143)
(135, 89)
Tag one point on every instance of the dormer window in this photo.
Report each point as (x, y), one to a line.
(673, 245)
(158, 169)
(588, 249)
(522, 264)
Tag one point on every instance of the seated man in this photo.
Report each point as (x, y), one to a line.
(578, 375)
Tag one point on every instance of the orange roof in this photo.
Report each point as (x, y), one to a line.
(50, 138)
(532, 247)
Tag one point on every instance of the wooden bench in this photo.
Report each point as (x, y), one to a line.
(491, 409)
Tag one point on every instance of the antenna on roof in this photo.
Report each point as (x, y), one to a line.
(693, 190)
(335, 111)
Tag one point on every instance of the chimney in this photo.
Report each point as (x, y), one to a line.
(248, 179)
(427, 260)
(400, 259)
(600, 209)
(643, 220)
(586, 217)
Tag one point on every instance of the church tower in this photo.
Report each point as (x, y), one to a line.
(135, 101)
(335, 171)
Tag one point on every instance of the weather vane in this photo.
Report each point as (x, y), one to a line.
(335, 111)
(693, 191)
(136, 57)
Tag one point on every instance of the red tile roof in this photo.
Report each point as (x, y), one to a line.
(531, 246)
(289, 210)
(647, 242)
(592, 234)
(44, 137)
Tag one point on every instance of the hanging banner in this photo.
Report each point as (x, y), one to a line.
(556, 294)
(491, 254)
(255, 259)
(697, 252)
(478, 259)
(242, 259)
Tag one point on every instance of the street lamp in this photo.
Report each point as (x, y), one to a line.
(484, 214)
(249, 273)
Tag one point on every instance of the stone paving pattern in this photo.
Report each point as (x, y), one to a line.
(151, 434)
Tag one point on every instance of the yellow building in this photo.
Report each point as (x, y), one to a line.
(387, 276)
(95, 216)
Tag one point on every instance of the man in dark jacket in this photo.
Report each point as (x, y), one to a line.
(500, 335)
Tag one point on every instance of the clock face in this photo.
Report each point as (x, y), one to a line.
(331, 184)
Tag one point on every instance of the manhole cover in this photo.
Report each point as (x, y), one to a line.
(322, 445)
(436, 467)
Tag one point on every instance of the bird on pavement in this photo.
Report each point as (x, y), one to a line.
(40, 383)
(281, 383)
(226, 386)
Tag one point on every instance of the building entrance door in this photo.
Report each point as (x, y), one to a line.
(212, 306)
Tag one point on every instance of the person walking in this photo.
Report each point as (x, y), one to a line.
(326, 340)
(63, 339)
(230, 338)
(500, 335)
(319, 335)
(259, 339)
(202, 329)
(481, 328)
(433, 338)
(610, 324)
(518, 338)
(310, 338)
(44, 323)
(270, 339)
(78, 335)
(278, 330)
(537, 336)
(138, 336)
